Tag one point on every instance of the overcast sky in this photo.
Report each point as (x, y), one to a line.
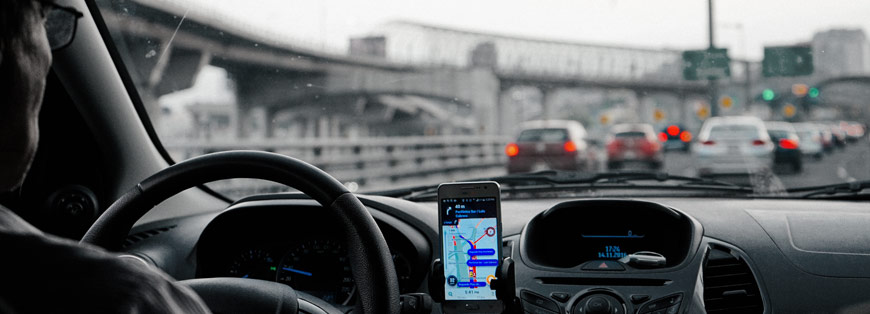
(677, 24)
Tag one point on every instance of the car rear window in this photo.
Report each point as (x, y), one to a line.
(630, 134)
(735, 131)
(778, 133)
(543, 135)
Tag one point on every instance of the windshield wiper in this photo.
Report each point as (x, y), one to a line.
(570, 177)
(835, 190)
(555, 179)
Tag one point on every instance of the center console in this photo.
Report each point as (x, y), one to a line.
(609, 256)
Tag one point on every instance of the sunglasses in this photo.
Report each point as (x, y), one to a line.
(60, 25)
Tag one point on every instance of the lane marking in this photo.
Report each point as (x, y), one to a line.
(843, 174)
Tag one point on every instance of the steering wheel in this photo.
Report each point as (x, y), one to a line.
(370, 260)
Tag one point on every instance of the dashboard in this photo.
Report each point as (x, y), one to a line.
(708, 255)
(301, 246)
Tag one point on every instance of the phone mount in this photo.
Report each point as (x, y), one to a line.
(504, 284)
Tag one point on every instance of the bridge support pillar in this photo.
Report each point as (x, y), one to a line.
(547, 102)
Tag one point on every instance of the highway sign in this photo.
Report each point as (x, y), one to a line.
(703, 112)
(789, 110)
(787, 61)
(709, 64)
(658, 115)
(726, 102)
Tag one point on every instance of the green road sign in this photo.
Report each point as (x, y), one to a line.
(707, 64)
(787, 61)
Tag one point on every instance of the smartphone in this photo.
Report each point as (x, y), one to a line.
(470, 220)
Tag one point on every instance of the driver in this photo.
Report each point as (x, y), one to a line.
(40, 273)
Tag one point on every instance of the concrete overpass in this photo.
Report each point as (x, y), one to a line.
(169, 42)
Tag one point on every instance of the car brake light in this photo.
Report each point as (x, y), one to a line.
(709, 143)
(649, 147)
(788, 144)
(758, 142)
(673, 130)
(663, 137)
(570, 146)
(686, 136)
(512, 149)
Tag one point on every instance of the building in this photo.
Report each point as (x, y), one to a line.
(841, 52)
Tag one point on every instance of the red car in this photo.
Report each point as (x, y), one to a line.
(550, 144)
(633, 144)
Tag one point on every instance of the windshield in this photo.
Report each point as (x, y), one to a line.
(629, 134)
(543, 135)
(395, 94)
(736, 131)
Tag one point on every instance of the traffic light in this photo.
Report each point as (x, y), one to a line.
(813, 92)
(768, 95)
(800, 90)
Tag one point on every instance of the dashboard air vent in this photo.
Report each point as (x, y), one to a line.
(139, 236)
(729, 286)
(507, 247)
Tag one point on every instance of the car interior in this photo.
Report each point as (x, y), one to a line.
(635, 245)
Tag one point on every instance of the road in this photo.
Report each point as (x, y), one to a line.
(849, 164)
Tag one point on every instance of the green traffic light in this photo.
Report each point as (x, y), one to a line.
(768, 95)
(813, 93)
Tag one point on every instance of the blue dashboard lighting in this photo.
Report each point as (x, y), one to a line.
(298, 271)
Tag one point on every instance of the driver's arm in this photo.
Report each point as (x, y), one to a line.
(47, 274)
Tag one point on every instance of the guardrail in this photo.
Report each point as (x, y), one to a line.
(368, 163)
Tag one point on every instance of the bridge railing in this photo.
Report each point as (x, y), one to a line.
(368, 163)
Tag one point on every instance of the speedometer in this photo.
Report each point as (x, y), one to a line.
(320, 268)
(253, 263)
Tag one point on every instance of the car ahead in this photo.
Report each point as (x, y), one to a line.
(853, 130)
(629, 144)
(675, 137)
(550, 144)
(827, 137)
(811, 142)
(839, 135)
(732, 145)
(787, 141)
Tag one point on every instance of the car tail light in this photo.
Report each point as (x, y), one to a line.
(570, 146)
(663, 137)
(613, 146)
(673, 130)
(788, 144)
(685, 136)
(649, 147)
(709, 143)
(512, 149)
(758, 142)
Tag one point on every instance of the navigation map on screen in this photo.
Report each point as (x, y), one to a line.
(471, 254)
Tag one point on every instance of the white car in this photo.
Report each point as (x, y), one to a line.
(810, 139)
(733, 145)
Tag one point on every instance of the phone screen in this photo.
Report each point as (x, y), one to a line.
(471, 248)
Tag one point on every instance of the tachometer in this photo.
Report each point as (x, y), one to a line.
(320, 268)
(253, 263)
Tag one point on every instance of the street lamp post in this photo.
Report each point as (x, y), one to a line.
(713, 88)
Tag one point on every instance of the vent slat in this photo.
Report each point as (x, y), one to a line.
(725, 273)
(140, 236)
